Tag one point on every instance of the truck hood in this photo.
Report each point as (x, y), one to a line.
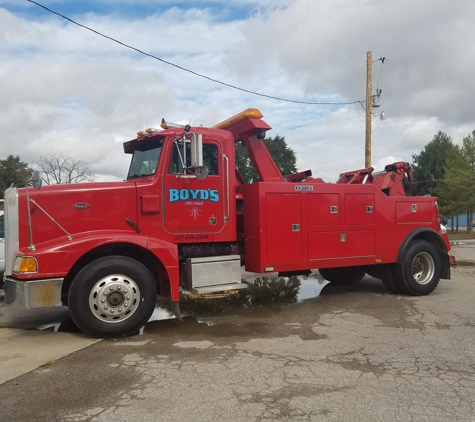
(76, 208)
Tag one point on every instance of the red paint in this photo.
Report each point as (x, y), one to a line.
(289, 226)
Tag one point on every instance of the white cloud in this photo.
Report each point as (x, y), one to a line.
(66, 89)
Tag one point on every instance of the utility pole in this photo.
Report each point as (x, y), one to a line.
(369, 106)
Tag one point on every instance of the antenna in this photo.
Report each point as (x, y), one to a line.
(193, 115)
(146, 107)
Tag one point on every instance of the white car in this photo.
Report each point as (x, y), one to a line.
(2, 245)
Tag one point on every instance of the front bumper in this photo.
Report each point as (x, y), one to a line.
(33, 293)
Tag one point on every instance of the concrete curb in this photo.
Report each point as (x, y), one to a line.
(22, 351)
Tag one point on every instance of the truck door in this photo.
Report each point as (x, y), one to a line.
(194, 208)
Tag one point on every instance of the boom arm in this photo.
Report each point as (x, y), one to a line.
(395, 180)
(248, 128)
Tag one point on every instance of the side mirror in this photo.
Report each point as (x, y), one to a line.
(197, 150)
(201, 171)
(36, 180)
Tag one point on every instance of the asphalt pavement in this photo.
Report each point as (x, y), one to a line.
(349, 353)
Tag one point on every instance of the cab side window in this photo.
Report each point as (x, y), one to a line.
(2, 227)
(210, 158)
(177, 164)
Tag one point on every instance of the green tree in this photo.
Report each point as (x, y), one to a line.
(244, 164)
(14, 172)
(432, 159)
(450, 192)
(457, 188)
(283, 156)
(468, 152)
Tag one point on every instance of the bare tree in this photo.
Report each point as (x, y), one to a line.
(59, 169)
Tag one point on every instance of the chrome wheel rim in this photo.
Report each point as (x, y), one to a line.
(423, 268)
(114, 298)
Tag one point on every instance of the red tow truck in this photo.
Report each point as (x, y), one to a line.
(185, 221)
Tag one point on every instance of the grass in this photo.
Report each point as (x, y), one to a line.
(465, 263)
(460, 235)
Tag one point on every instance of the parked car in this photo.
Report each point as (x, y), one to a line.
(2, 246)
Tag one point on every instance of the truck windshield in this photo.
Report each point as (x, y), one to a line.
(145, 159)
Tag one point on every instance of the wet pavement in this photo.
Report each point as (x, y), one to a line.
(266, 292)
(354, 353)
(286, 349)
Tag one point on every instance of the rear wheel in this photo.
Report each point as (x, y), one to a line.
(112, 297)
(348, 275)
(326, 274)
(343, 275)
(387, 274)
(419, 272)
(373, 271)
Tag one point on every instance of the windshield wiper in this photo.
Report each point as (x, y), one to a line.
(136, 176)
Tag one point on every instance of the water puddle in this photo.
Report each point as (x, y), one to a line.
(264, 294)
(66, 326)
(311, 287)
(160, 313)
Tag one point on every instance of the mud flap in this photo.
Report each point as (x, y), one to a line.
(176, 309)
(446, 261)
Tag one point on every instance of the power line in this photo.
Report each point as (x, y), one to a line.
(383, 61)
(381, 138)
(189, 70)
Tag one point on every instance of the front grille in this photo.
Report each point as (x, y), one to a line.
(12, 242)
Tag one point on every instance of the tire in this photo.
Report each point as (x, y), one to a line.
(374, 271)
(326, 274)
(419, 272)
(387, 274)
(112, 296)
(346, 275)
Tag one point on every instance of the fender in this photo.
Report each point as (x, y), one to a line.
(70, 251)
(167, 253)
(423, 233)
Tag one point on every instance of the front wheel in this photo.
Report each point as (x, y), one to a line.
(419, 272)
(112, 296)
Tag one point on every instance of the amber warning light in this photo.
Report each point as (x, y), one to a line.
(250, 113)
(149, 131)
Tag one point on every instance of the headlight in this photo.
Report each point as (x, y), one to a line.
(25, 265)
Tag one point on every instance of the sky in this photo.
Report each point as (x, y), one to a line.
(66, 90)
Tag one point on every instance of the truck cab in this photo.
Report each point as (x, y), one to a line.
(184, 200)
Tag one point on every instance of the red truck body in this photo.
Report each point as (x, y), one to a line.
(350, 236)
(168, 228)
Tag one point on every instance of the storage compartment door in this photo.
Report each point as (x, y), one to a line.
(283, 227)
